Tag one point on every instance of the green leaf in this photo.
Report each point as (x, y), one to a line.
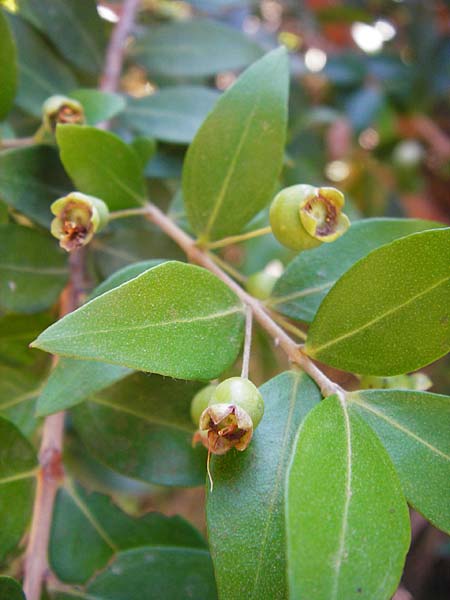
(74, 27)
(194, 49)
(88, 530)
(19, 390)
(347, 520)
(231, 167)
(31, 179)
(145, 148)
(175, 574)
(249, 496)
(172, 114)
(16, 333)
(413, 427)
(125, 274)
(10, 589)
(98, 106)
(389, 313)
(309, 277)
(74, 380)
(101, 164)
(33, 271)
(141, 428)
(8, 67)
(41, 73)
(17, 469)
(175, 319)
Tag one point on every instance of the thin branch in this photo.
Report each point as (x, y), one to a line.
(116, 49)
(51, 470)
(127, 212)
(247, 342)
(234, 239)
(198, 256)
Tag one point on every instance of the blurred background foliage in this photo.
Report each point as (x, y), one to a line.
(369, 113)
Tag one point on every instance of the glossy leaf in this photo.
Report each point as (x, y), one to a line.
(82, 43)
(175, 319)
(125, 274)
(16, 333)
(231, 167)
(194, 48)
(72, 380)
(141, 428)
(31, 179)
(309, 277)
(101, 164)
(347, 519)
(249, 496)
(8, 67)
(88, 530)
(99, 106)
(172, 114)
(32, 270)
(413, 427)
(17, 466)
(10, 589)
(389, 313)
(41, 73)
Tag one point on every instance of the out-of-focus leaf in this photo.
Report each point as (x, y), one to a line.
(231, 167)
(141, 427)
(174, 319)
(10, 589)
(414, 426)
(194, 48)
(33, 270)
(19, 389)
(41, 73)
(249, 496)
(74, 27)
(8, 67)
(16, 332)
(389, 314)
(88, 530)
(98, 106)
(31, 179)
(172, 114)
(102, 165)
(17, 467)
(348, 526)
(363, 106)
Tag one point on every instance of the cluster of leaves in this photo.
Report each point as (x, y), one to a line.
(316, 507)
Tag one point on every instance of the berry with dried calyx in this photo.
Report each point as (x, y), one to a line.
(61, 110)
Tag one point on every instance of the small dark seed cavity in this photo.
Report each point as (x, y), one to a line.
(329, 223)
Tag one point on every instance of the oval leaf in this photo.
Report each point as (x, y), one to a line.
(389, 313)
(8, 67)
(10, 589)
(101, 164)
(17, 469)
(88, 530)
(310, 276)
(194, 49)
(414, 428)
(141, 428)
(175, 319)
(33, 271)
(347, 520)
(249, 496)
(232, 165)
(99, 106)
(172, 114)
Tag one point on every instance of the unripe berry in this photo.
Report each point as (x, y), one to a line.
(60, 109)
(201, 401)
(77, 218)
(261, 284)
(303, 216)
(235, 409)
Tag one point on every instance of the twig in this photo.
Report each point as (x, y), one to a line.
(198, 256)
(116, 48)
(234, 239)
(51, 469)
(247, 343)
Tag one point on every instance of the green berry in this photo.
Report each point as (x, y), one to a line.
(243, 393)
(303, 216)
(201, 401)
